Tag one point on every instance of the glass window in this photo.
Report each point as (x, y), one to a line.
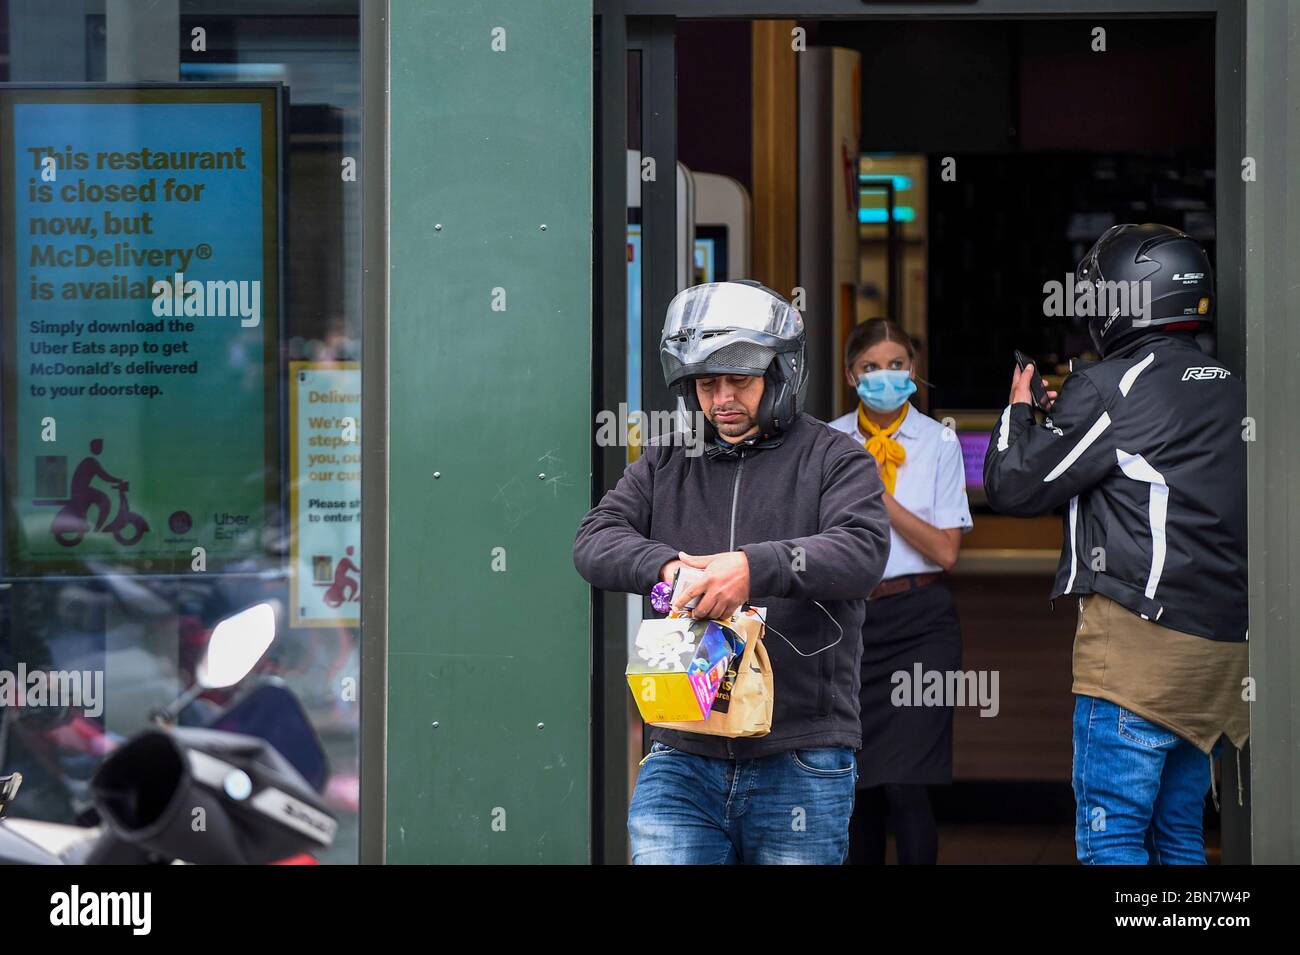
(181, 262)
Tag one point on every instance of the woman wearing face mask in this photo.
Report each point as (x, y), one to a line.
(911, 622)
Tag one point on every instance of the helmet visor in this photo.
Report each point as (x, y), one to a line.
(728, 306)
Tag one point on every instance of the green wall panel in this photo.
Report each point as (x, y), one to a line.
(491, 145)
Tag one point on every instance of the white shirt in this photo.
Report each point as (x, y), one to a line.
(931, 484)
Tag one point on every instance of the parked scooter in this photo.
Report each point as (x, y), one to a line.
(244, 789)
(119, 625)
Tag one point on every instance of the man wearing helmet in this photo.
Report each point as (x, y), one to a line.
(780, 511)
(1144, 450)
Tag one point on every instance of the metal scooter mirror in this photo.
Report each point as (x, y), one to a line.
(236, 644)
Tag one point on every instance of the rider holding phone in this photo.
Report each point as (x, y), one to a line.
(1144, 451)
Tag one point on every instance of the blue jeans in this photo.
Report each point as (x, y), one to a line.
(792, 808)
(1139, 789)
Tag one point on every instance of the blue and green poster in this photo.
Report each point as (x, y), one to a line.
(141, 243)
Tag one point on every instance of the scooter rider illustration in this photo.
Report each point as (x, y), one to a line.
(72, 522)
(345, 587)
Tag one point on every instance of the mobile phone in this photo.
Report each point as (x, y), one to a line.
(1036, 387)
(685, 577)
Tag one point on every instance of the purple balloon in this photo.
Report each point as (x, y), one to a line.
(661, 596)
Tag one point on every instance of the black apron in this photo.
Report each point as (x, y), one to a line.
(907, 744)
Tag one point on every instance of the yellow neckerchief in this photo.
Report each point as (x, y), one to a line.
(889, 454)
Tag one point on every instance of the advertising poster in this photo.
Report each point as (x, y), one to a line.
(325, 493)
(141, 238)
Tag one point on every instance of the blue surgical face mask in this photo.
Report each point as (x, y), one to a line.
(886, 389)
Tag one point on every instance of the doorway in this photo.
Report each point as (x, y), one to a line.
(936, 169)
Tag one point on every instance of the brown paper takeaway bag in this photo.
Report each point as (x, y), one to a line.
(749, 711)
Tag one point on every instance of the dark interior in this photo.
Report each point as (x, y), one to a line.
(1052, 144)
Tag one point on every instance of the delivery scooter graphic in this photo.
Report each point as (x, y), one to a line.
(72, 521)
(345, 587)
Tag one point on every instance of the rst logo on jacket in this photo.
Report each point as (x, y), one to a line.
(1207, 372)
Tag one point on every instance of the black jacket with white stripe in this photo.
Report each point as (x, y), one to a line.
(1146, 451)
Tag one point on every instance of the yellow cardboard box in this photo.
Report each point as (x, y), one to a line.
(677, 667)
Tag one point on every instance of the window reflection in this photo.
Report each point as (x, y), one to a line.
(144, 627)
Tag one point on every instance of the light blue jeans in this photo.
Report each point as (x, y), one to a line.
(792, 808)
(1139, 789)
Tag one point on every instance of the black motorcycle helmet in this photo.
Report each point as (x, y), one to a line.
(1180, 290)
(736, 328)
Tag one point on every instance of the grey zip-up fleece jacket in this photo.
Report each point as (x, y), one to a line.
(806, 508)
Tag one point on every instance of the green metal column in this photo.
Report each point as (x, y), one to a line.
(1272, 66)
(489, 682)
